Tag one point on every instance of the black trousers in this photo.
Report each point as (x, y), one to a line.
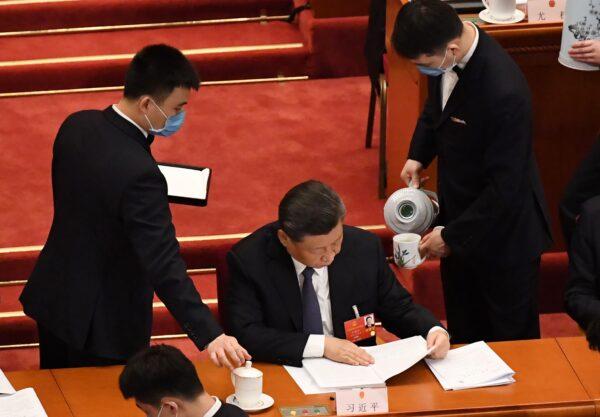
(490, 304)
(54, 353)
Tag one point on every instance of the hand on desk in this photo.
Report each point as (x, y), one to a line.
(433, 245)
(344, 351)
(586, 51)
(226, 351)
(440, 342)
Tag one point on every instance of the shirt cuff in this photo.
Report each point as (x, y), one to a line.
(315, 346)
(436, 328)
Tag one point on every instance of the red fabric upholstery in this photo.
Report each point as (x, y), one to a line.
(51, 15)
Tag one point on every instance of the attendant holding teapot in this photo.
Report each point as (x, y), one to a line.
(477, 121)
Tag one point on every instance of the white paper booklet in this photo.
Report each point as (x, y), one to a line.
(305, 382)
(5, 386)
(471, 366)
(186, 182)
(23, 403)
(390, 359)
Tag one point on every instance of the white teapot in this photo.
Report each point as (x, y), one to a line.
(411, 210)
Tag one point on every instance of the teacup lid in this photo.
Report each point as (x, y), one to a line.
(247, 371)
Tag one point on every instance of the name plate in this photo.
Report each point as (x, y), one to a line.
(542, 11)
(355, 401)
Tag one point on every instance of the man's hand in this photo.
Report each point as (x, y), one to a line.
(226, 351)
(439, 341)
(586, 51)
(344, 351)
(433, 245)
(412, 172)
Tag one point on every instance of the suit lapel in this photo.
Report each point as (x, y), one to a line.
(341, 286)
(283, 274)
(469, 77)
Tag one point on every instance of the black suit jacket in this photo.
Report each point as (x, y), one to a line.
(584, 185)
(112, 243)
(264, 306)
(582, 297)
(491, 197)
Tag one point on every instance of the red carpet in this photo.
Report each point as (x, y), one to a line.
(78, 13)
(100, 59)
(260, 140)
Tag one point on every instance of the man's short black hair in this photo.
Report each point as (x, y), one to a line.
(310, 208)
(157, 372)
(157, 70)
(425, 27)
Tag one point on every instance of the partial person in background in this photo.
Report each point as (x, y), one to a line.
(584, 185)
(586, 51)
(582, 297)
(477, 121)
(164, 383)
(112, 243)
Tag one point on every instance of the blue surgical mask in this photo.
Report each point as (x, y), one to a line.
(172, 124)
(436, 72)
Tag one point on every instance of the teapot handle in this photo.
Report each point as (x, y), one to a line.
(434, 200)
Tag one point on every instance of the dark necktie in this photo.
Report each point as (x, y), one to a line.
(311, 314)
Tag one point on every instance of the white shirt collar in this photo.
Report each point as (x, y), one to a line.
(301, 267)
(213, 410)
(463, 62)
(124, 116)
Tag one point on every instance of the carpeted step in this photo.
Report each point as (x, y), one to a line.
(16, 328)
(255, 138)
(99, 59)
(85, 13)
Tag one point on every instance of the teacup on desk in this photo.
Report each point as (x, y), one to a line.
(406, 250)
(248, 384)
(501, 9)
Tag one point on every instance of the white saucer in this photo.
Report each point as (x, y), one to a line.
(487, 17)
(263, 403)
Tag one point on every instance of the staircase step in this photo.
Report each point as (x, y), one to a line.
(100, 59)
(28, 16)
(17, 328)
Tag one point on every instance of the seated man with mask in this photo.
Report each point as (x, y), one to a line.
(164, 383)
(295, 282)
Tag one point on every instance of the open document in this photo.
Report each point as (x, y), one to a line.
(5, 385)
(390, 359)
(186, 184)
(471, 366)
(23, 403)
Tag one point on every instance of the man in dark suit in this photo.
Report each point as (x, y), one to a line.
(112, 242)
(295, 282)
(164, 383)
(584, 185)
(582, 297)
(477, 121)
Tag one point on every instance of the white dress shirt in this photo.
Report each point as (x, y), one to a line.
(315, 345)
(124, 116)
(450, 78)
(213, 410)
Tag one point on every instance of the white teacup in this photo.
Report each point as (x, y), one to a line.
(406, 250)
(501, 9)
(248, 382)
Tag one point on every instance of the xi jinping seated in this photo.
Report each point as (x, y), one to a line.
(295, 283)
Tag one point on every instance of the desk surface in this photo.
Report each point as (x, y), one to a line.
(585, 362)
(46, 389)
(546, 385)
